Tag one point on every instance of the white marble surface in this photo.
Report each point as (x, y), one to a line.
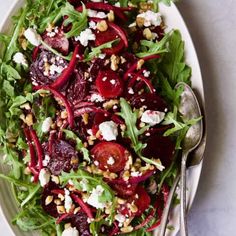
(212, 26)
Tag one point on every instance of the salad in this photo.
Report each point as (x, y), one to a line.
(89, 115)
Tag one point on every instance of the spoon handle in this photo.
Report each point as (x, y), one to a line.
(166, 211)
(183, 218)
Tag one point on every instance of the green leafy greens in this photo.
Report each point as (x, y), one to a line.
(79, 145)
(133, 132)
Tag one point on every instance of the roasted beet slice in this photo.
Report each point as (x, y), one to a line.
(80, 221)
(124, 190)
(77, 89)
(159, 147)
(151, 101)
(63, 157)
(107, 36)
(46, 68)
(143, 200)
(109, 84)
(110, 156)
(51, 208)
(57, 40)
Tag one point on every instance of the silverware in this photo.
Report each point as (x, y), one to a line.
(195, 158)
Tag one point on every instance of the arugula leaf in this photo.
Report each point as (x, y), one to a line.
(132, 132)
(91, 182)
(12, 160)
(97, 50)
(68, 58)
(152, 48)
(78, 20)
(173, 66)
(10, 72)
(13, 46)
(34, 218)
(79, 145)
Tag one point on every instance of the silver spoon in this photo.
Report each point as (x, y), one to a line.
(190, 109)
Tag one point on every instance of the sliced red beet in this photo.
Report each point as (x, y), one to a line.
(39, 72)
(62, 158)
(109, 84)
(143, 200)
(103, 152)
(152, 101)
(57, 41)
(159, 147)
(51, 208)
(106, 7)
(124, 190)
(113, 32)
(77, 89)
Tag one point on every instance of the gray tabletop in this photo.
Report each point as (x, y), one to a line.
(212, 26)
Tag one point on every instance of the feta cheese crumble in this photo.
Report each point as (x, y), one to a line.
(152, 117)
(46, 160)
(93, 199)
(46, 125)
(84, 184)
(33, 37)
(55, 69)
(85, 36)
(96, 14)
(130, 91)
(92, 25)
(150, 18)
(96, 98)
(20, 59)
(68, 200)
(70, 232)
(108, 130)
(120, 218)
(111, 161)
(44, 176)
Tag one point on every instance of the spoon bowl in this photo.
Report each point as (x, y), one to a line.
(190, 109)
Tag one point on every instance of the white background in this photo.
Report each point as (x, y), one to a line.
(212, 24)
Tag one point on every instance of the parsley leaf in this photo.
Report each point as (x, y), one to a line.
(79, 145)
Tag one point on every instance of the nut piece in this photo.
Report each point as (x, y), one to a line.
(85, 118)
(102, 26)
(127, 229)
(64, 114)
(115, 60)
(111, 16)
(147, 33)
(55, 179)
(61, 197)
(48, 200)
(139, 64)
(25, 106)
(109, 104)
(57, 202)
(76, 210)
(61, 209)
(140, 21)
(126, 175)
(29, 119)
